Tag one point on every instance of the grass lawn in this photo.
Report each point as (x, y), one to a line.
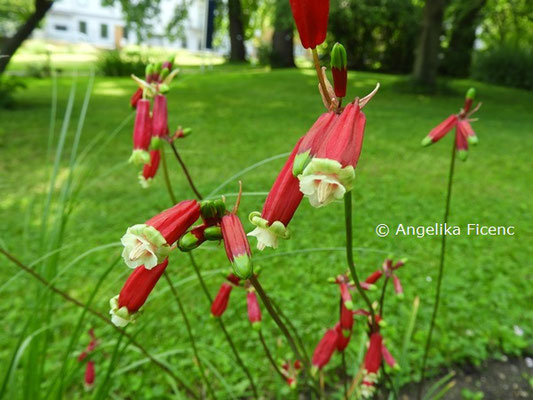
(240, 117)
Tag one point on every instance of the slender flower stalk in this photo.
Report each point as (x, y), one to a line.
(440, 275)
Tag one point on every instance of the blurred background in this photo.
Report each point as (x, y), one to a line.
(248, 91)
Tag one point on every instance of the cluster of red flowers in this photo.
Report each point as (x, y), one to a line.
(151, 127)
(85, 355)
(220, 303)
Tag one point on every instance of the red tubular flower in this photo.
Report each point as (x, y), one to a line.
(346, 319)
(89, 375)
(387, 356)
(397, 286)
(440, 130)
(308, 146)
(236, 245)
(254, 312)
(221, 300)
(325, 348)
(374, 277)
(160, 116)
(331, 173)
(150, 170)
(136, 97)
(343, 337)
(372, 364)
(279, 208)
(311, 17)
(142, 133)
(467, 130)
(134, 293)
(149, 244)
(346, 296)
(461, 140)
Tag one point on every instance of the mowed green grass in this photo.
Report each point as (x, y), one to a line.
(240, 117)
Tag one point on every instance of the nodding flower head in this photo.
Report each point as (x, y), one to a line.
(325, 349)
(220, 303)
(150, 170)
(254, 311)
(236, 245)
(142, 133)
(134, 293)
(464, 134)
(279, 208)
(372, 364)
(149, 244)
(331, 173)
(311, 17)
(89, 375)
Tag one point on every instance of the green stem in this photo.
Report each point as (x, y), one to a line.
(276, 317)
(382, 298)
(191, 336)
(185, 171)
(441, 273)
(222, 326)
(167, 177)
(100, 316)
(269, 355)
(344, 374)
(349, 255)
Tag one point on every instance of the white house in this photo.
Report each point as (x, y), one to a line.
(88, 21)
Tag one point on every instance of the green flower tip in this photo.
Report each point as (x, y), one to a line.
(213, 233)
(188, 242)
(300, 162)
(473, 140)
(400, 296)
(256, 326)
(164, 88)
(155, 143)
(164, 73)
(463, 154)
(149, 70)
(242, 266)
(348, 304)
(426, 141)
(471, 94)
(339, 59)
(186, 132)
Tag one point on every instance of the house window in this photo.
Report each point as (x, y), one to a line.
(60, 27)
(104, 31)
(82, 27)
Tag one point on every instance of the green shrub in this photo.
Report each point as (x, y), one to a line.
(8, 87)
(122, 63)
(505, 66)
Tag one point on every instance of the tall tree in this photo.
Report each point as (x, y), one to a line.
(427, 53)
(458, 56)
(283, 38)
(236, 31)
(24, 31)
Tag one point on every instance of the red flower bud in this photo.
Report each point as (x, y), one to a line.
(343, 337)
(134, 293)
(89, 375)
(150, 170)
(387, 356)
(374, 277)
(397, 285)
(136, 97)
(311, 17)
(440, 130)
(297, 365)
(234, 279)
(254, 312)
(142, 133)
(279, 208)
(160, 116)
(236, 245)
(221, 300)
(346, 319)
(372, 364)
(325, 348)
(149, 244)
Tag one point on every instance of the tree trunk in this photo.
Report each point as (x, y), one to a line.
(11, 45)
(236, 31)
(282, 41)
(427, 53)
(458, 56)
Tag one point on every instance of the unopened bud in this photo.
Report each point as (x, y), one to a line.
(471, 94)
(213, 233)
(188, 242)
(339, 59)
(164, 73)
(164, 88)
(339, 69)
